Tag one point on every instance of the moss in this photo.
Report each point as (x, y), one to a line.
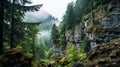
(14, 56)
(98, 29)
(95, 29)
(96, 19)
(64, 61)
(104, 54)
(86, 17)
(117, 41)
(101, 7)
(70, 31)
(82, 56)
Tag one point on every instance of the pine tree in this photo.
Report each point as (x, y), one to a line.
(18, 12)
(62, 37)
(55, 35)
(11, 14)
(70, 16)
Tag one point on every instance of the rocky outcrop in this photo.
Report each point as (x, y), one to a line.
(100, 28)
(78, 35)
(70, 37)
(15, 58)
(57, 50)
(107, 55)
(78, 65)
(75, 37)
(104, 25)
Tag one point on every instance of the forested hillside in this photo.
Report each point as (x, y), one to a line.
(87, 29)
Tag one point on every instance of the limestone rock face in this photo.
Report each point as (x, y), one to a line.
(57, 50)
(78, 34)
(74, 37)
(113, 19)
(100, 28)
(70, 37)
(104, 26)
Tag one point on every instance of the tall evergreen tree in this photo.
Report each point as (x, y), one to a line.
(18, 11)
(70, 16)
(81, 8)
(11, 14)
(55, 35)
(1, 24)
(62, 37)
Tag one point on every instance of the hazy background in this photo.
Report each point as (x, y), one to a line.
(56, 8)
(51, 13)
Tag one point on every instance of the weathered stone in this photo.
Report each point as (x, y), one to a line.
(78, 65)
(106, 55)
(115, 54)
(108, 20)
(92, 56)
(102, 62)
(15, 58)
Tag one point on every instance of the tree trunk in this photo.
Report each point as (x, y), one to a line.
(1, 25)
(33, 58)
(92, 16)
(12, 27)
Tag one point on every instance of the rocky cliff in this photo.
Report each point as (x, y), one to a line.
(103, 26)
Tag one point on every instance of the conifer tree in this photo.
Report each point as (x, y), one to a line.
(55, 35)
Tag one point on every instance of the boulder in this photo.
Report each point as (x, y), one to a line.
(107, 55)
(16, 58)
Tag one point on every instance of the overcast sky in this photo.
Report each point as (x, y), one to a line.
(56, 8)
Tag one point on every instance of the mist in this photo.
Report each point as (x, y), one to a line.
(47, 21)
(36, 16)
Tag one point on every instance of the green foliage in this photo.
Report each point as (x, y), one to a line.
(55, 35)
(82, 56)
(14, 29)
(81, 8)
(50, 53)
(75, 11)
(62, 40)
(16, 33)
(70, 64)
(72, 53)
(85, 47)
(62, 29)
(69, 17)
(24, 35)
(40, 52)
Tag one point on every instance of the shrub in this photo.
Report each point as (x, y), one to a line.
(72, 53)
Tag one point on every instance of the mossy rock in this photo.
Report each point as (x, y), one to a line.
(15, 57)
(77, 64)
(64, 61)
(106, 55)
